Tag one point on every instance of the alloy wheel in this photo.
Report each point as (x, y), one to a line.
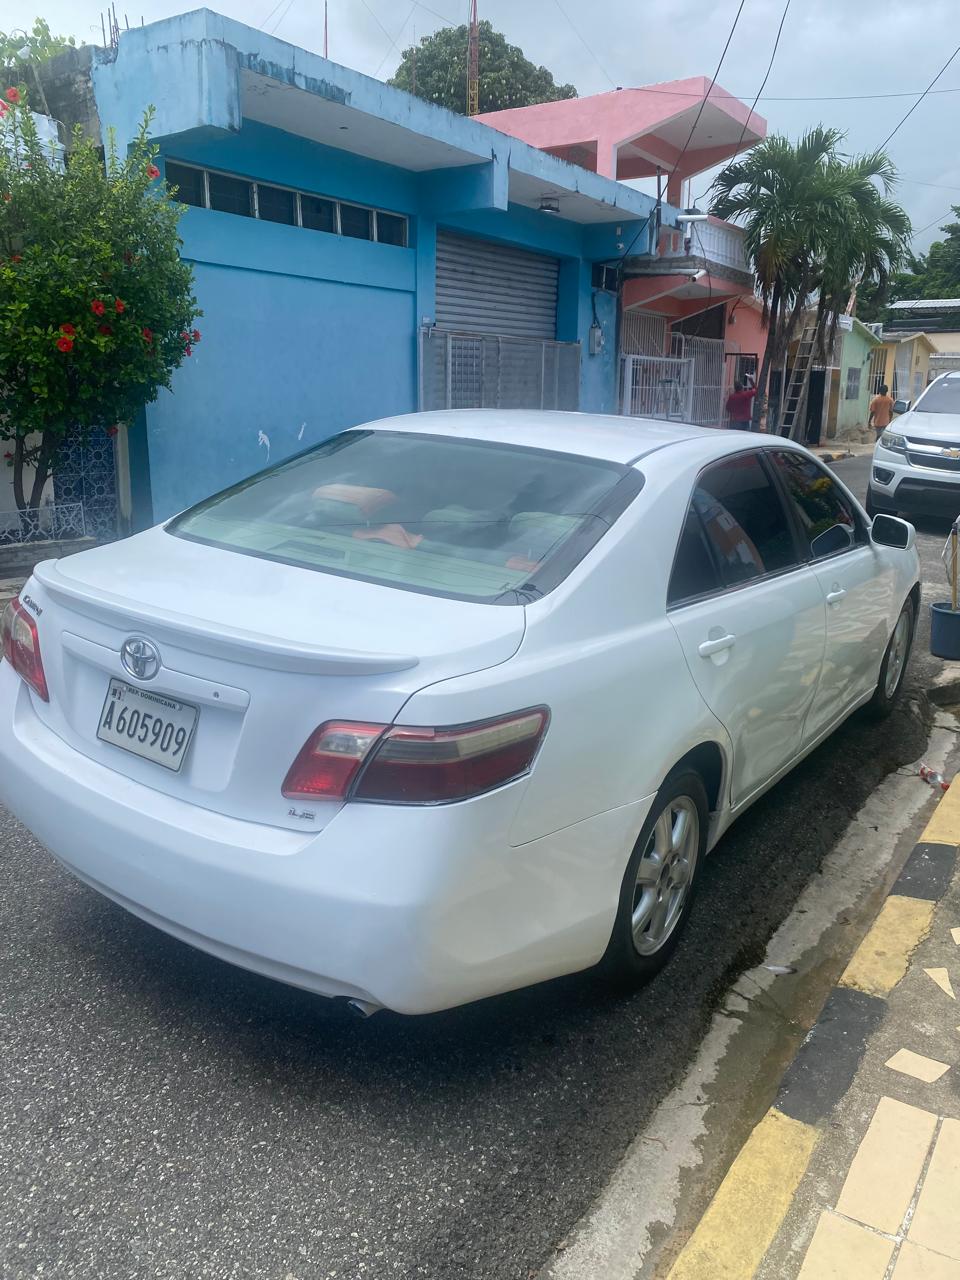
(665, 875)
(899, 645)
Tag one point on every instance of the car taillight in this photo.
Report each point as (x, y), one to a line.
(329, 760)
(431, 766)
(21, 647)
(373, 762)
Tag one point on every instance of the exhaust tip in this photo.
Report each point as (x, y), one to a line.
(362, 1008)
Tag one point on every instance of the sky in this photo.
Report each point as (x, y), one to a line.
(830, 49)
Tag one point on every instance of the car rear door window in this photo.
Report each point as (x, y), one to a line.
(695, 571)
(744, 520)
(826, 516)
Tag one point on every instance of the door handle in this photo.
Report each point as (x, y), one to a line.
(836, 595)
(710, 647)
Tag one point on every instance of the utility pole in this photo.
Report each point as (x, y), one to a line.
(473, 63)
(326, 43)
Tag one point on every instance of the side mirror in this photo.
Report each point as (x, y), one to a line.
(891, 531)
(901, 406)
(837, 538)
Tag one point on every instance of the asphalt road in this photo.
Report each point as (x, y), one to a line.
(164, 1115)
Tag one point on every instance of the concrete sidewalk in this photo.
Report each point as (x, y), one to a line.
(854, 1172)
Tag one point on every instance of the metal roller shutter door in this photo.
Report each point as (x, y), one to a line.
(492, 288)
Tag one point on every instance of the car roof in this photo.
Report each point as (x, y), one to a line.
(611, 437)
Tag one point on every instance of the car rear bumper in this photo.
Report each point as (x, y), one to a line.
(896, 485)
(414, 909)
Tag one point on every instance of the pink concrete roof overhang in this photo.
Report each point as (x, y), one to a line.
(627, 133)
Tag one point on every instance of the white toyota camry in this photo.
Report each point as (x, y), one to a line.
(452, 703)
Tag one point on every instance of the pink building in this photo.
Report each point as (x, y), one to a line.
(689, 313)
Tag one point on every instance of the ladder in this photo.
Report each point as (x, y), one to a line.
(796, 398)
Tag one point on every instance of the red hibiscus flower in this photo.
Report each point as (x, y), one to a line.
(13, 95)
(120, 306)
(3, 110)
(17, 257)
(153, 171)
(188, 350)
(97, 307)
(8, 456)
(104, 328)
(148, 334)
(64, 344)
(195, 335)
(112, 431)
(68, 329)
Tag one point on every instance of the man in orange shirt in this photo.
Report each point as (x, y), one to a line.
(881, 411)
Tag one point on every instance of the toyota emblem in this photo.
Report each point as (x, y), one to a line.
(140, 658)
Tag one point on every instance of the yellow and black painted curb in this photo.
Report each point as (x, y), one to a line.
(751, 1203)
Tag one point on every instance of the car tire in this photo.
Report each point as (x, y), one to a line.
(872, 507)
(894, 665)
(660, 882)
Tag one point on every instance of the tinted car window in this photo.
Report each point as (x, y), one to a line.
(941, 397)
(471, 519)
(744, 519)
(694, 568)
(824, 512)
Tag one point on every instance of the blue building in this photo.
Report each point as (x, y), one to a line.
(358, 253)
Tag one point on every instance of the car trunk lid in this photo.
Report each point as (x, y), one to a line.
(264, 651)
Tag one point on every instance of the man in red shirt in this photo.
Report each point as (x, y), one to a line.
(740, 406)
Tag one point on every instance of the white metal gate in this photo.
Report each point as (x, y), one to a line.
(656, 387)
(708, 357)
(490, 371)
(643, 334)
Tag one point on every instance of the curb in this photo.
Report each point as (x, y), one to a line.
(751, 1203)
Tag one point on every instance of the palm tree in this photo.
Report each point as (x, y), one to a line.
(812, 221)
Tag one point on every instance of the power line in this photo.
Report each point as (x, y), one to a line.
(447, 21)
(576, 32)
(376, 74)
(763, 85)
(921, 98)
(282, 17)
(941, 218)
(693, 127)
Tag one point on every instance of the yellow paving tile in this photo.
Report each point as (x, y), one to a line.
(942, 978)
(887, 1167)
(750, 1204)
(916, 1263)
(936, 1222)
(944, 825)
(955, 935)
(842, 1250)
(882, 957)
(913, 1064)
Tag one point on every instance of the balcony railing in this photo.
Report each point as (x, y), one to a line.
(713, 241)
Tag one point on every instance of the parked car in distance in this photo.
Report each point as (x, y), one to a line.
(916, 463)
(452, 703)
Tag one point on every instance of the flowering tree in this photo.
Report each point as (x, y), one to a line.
(96, 306)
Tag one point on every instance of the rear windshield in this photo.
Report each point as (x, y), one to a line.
(463, 518)
(941, 397)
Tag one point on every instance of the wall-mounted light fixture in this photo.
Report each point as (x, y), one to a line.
(549, 204)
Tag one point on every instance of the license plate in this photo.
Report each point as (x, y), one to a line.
(147, 724)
